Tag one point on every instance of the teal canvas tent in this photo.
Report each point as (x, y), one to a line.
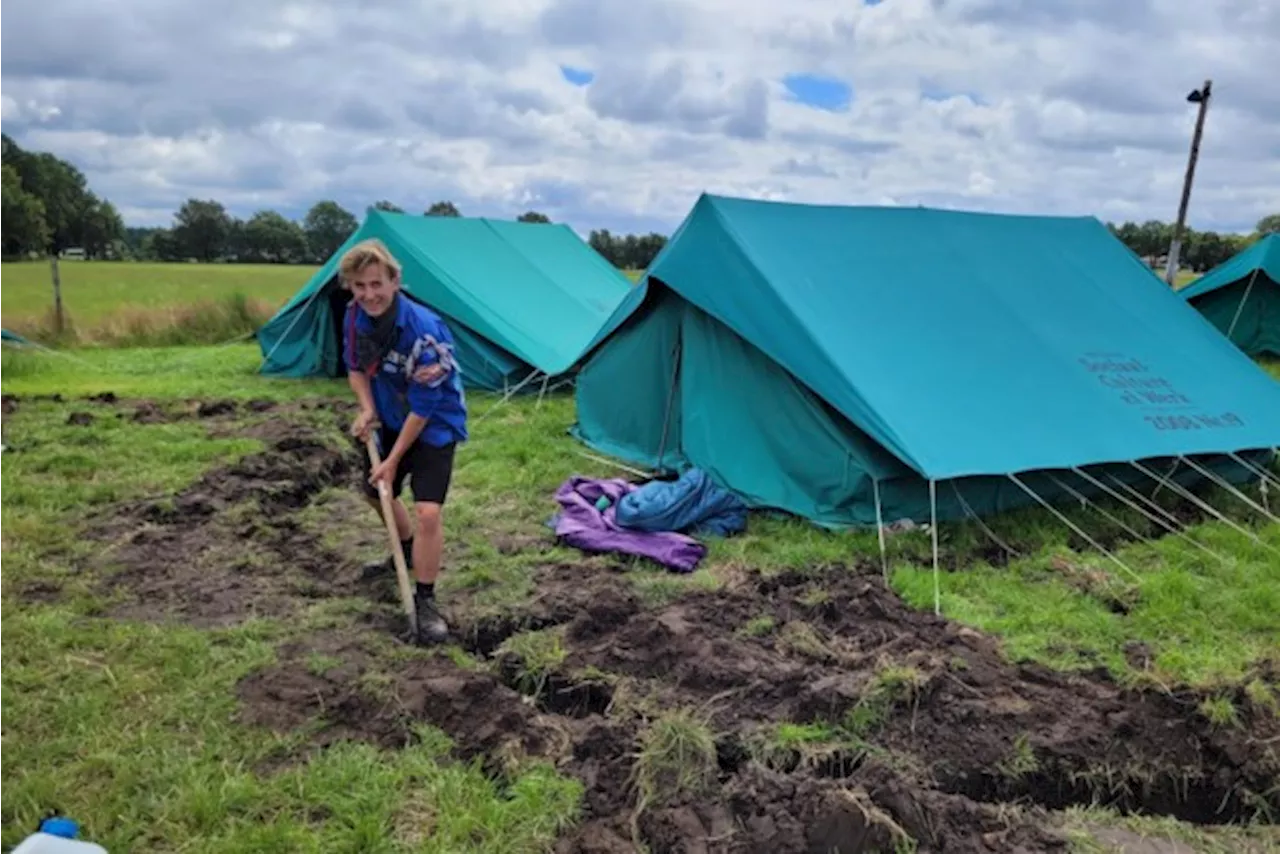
(523, 300)
(857, 364)
(1241, 297)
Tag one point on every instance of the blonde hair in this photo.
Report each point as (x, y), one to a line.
(364, 253)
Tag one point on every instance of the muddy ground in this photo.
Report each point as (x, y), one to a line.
(897, 724)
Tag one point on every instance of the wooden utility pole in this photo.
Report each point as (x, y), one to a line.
(1201, 97)
(57, 294)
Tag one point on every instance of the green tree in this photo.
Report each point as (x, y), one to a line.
(1269, 224)
(23, 229)
(443, 208)
(203, 229)
(385, 205)
(533, 216)
(269, 236)
(101, 229)
(327, 226)
(159, 244)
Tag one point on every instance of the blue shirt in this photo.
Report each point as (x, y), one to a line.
(422, 339)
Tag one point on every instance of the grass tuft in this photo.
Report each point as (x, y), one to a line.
(536, 655)
(677, 759)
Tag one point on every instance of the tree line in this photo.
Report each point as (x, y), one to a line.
(1201, 250)
(49, 208)
(203, 230)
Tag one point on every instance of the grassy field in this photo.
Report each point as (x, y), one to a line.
(149, 304)
(195, 663)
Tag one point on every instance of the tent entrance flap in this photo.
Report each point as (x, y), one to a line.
(335, 298)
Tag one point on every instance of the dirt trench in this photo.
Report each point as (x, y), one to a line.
(962, 752)
(835, 717)
(230, 546)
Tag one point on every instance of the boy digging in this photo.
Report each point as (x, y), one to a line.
(400, 364)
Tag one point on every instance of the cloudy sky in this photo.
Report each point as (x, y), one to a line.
(617, 113)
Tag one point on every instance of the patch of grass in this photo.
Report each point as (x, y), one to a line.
(758, 627)
(1263, 695)
(1219, 711)
(228, 318)
(94, 292)
(657, 587)
(677, 758)
(157, 372)
(893, 685)
(1207, 621)
(773, 544)
(786, 744)
(537, 655)
(1096, 830)
(1021, 761)
(802, 639)
(56, 473)
(129, 728)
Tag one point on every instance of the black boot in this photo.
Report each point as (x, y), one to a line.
(431, 626)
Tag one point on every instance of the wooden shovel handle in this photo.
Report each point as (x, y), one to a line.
(393, 537)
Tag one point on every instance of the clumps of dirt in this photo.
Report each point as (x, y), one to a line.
(103, 397)
(213, 408)
(228, 547)
(80, 419)
(153, 412)
(800, 713)
(923, 721)
(150, 412)
(334, 684)
(39, 591)
(803, 712)
(8, 404)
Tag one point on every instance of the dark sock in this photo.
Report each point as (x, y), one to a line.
(426, 590)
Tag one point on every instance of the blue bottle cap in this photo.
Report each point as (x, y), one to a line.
(60, 826)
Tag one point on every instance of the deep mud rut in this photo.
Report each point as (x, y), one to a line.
(914, 728)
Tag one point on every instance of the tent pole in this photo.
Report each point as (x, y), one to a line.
(507, 396)
(1244, 299)
(884, 559)
(933, 529)
(546, 378)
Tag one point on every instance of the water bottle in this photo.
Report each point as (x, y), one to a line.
(57, 835)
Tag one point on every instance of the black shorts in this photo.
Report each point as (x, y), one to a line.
(429, 470)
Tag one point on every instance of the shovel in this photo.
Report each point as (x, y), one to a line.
(393, 539)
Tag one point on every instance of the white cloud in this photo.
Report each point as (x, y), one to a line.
(1016, 105)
